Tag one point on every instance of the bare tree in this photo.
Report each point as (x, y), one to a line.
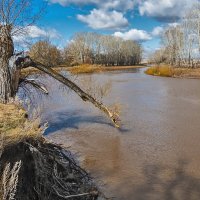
(181, 43)
(14, 16)
(158, 57)
(45, 53)
(173, 41)
(191, 28)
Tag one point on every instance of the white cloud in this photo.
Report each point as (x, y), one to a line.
(134, 34)
(166, 10)
(173, 24)
(119, 5)
(106, 14)
(76, 2)
(34, 32)
(163, 10)
(102, 19)
(157, 31)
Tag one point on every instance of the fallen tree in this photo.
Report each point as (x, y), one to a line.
(84, 96)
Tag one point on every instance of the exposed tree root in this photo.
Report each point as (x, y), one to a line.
(45, 171)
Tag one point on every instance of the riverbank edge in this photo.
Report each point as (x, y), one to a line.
(29, 161)
(173, 72)
(85, 69)
(100, 68)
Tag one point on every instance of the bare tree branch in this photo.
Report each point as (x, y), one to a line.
(35, 85)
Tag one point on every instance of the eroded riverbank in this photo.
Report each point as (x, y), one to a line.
(156, 153)
(33, 168)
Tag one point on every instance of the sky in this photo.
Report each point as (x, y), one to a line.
(139, 20)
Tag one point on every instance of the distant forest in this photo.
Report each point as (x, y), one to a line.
(89, 48)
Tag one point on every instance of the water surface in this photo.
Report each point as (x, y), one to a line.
(156, 153)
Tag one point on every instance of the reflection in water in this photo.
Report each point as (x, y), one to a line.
(162, 182)
(156, 153)
(111, 151)
(72, 120)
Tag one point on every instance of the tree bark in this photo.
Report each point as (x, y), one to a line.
(5, 81)
(6, 51)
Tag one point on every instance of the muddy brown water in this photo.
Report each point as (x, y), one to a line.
(155, 154)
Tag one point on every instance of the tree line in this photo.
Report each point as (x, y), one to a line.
(181, 43)
(89, 48)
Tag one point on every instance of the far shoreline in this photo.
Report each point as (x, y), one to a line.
(164, 70)
(86, 69)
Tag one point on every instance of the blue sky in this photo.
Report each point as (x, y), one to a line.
(140, 20)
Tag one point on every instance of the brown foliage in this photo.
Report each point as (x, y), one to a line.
(45, 53)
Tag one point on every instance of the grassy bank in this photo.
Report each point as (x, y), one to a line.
(32, 167)
(85, 68)
(99, 68)
(14, 125)
(169, 71)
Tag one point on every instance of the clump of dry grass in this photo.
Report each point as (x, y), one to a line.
(162, 70)
(9, 181)
(15, 126)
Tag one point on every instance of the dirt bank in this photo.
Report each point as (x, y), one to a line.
(33, 168)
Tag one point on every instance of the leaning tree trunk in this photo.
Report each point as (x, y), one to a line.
(84, 96)
(26, 62)
(6, 51)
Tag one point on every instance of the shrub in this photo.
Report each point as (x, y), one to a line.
(163, 70)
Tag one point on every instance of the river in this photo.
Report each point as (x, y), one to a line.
(155, 154)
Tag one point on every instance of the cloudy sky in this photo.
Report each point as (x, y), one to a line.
(141, 20)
